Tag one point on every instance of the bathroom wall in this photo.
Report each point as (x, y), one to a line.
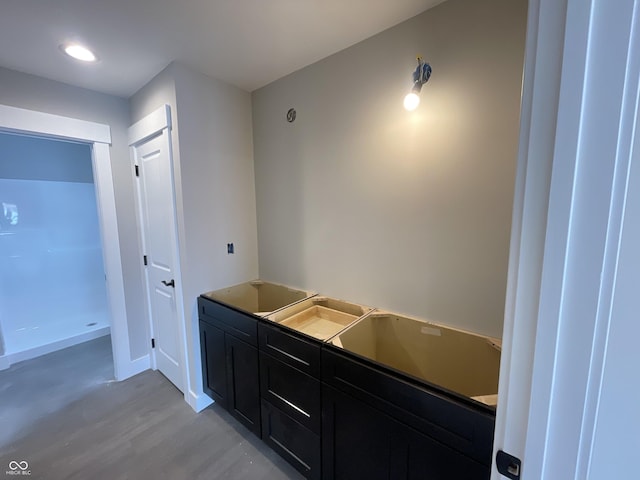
(408, 211)
(215, 193)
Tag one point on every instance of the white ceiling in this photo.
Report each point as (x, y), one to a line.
(248, 43)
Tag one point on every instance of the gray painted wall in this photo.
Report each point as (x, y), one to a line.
(407, 211)
(31, 158)
(214, 179)
(35, 93)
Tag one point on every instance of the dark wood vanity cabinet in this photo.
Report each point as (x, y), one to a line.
(214, 362)
(360, 441)
(377, 424)
(230, 363)
(355, 439)
(336, 415)
(291, 397)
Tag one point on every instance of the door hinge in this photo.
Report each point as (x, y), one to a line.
(144, 259)
(137, 171)
(153, 343)
(508, 465)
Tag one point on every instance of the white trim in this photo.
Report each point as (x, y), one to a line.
(626, 145)
(586, 202)
(579, 113)
(141, 253)
(613, 438)
(560, 197)
(21, 120)
(136, 366)
(198, 402)
(156, 123)
(177, 267)
(106, 200)
(541, 86)
(55, 126)
(150, 125)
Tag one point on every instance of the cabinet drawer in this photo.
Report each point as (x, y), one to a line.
(241, 325)
(295, 393)
(462, 427)
(290, 348)
(293, 442)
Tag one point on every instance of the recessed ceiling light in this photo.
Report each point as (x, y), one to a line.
(79, 52)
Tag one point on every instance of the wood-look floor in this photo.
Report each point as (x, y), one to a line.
(68, 419)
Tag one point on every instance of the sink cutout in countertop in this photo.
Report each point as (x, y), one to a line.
(259, 297)
(463, 362)
(319, 322)
(319, 317)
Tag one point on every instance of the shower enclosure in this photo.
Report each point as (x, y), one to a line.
(52, 282)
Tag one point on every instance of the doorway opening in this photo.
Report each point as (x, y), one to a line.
(98, 137)
(52, 279)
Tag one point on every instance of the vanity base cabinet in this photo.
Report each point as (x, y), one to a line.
(355, 439)
(214, 363)
(230, 363)
(359, 441)
(415, 456)
(386, 425)
(293, 392)
(243, 383)
(291, 397)
(336, 415)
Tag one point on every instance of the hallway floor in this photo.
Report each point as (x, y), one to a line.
(64, 415)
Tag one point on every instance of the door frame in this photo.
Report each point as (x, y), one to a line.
(98, 136)
(149, 126)
(538, 119)
(553, 342)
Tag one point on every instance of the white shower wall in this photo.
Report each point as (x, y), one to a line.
(52, 283)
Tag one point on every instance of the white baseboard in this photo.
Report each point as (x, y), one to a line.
(198, 402)
(133, 367)
(10, 358)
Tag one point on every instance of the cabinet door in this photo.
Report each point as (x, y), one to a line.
(243, 382)
(355, 439)
(416, 456)
(214, 364)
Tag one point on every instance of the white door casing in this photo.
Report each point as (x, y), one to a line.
(579, 111)
(150, 143)
(13, 119)
(538, 117)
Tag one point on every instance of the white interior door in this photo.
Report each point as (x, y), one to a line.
(153, 164)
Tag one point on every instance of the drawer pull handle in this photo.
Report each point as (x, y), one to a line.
(287, 354)
(289, 403)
